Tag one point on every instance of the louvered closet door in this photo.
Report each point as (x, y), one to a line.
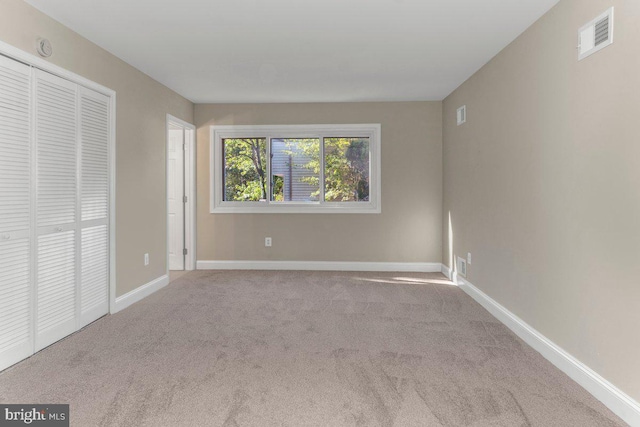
(56, 208)
(94, 206)
(16, 341)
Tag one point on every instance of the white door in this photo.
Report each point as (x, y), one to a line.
(56, 208)
(175, 195)
(16, 339)
(93, 242)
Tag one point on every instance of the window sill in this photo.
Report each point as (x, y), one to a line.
(296, 208)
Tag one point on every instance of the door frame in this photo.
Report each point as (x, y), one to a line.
(189, 191)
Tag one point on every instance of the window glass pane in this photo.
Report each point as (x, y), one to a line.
(346, 169)
(245, 169)
(295, 169)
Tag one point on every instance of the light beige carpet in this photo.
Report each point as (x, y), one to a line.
(302, 349)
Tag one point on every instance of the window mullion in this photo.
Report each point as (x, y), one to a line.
(321, 172)
(268, 171)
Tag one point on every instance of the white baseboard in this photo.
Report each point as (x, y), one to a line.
(139, 293)
(420, 267)
(615, 399)
(446, 271)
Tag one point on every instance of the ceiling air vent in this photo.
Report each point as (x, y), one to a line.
(595, 35)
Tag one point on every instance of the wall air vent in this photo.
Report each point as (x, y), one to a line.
(595, 35)
(462, 267)
(461, 115)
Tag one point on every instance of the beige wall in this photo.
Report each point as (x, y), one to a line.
(142, 105)
(543, 185)
(407, 230)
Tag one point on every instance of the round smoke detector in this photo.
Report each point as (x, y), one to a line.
(44, 48)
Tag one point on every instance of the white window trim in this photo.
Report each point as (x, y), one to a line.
(218, 133)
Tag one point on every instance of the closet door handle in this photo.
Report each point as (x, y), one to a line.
(6, 236)
(59, 229)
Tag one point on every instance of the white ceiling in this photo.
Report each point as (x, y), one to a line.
(302, 50)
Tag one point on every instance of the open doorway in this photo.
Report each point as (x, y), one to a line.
(180, 195)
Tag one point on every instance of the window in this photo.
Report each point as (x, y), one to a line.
(295, 169)
(244, 169)
(295, 172)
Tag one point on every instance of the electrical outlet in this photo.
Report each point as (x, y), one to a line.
(267, 242)
(146, 259)
(469, 258)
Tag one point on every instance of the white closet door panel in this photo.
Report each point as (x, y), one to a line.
(15, 146)
(15, 301)
(94, 277)
(54, 208)
(56, 142)
(16, 320)
(94, 137)
(56, 290)
(94, 205)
